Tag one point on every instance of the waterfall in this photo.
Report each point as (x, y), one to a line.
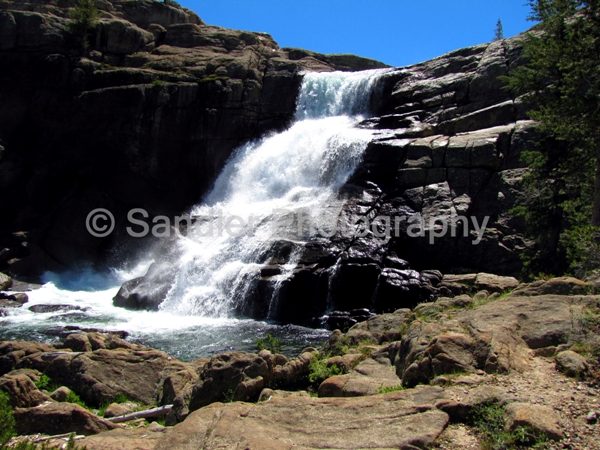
(263, 187)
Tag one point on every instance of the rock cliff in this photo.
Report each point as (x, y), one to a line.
(144, 118)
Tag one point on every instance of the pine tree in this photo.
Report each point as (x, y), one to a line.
(499, 31)
(84, 17)
(561, 81)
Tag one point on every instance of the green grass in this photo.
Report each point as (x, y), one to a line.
(385, 390)
(7, 421)
(270, 343)
(587, 350)
(488, 420)
(158, 83)
(485, 301)
(102, 409)
(319, 372)
(45, 383)
(590, 319)
(228, 395)
(74, 398)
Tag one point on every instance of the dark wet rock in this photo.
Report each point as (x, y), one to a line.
(56, 308)
(148, 292)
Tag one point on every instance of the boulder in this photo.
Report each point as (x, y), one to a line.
(5, 282)
(61, 394)
(11, 353)
(571, 364)
(539, 418)
(78, 343)
(496, 337)
(21, 390)
(495, 283)
(55, 308)
(115, 410)
(19, 297)
(59, 418)
(554, 286)
(148, 292)
(232, 375)
(100, 376)
(380, 328)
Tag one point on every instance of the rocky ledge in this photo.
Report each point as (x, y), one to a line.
(428, 377)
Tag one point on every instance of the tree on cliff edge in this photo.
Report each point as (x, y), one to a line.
(499, 31)
(561, 80)
(84, 17)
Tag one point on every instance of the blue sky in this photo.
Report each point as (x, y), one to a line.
(397, 32)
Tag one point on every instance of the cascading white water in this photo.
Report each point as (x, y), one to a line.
(296, 170)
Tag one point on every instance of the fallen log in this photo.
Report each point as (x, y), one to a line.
(146, 414)
(72, 436)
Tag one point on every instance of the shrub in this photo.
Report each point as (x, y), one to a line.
(7, 421)
(488, 419)
(74, 398)
(319, 372)
(84, 17)
(270, 343)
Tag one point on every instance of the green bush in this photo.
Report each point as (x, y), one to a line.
(270, 343)
(7, 421)
(74, 398)
(488, 420)
(319, 372)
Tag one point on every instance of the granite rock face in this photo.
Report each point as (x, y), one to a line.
(144, 118)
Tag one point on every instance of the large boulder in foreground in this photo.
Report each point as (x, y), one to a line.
(100, 376)
(59, 418)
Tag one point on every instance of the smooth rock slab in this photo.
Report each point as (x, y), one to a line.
(366, 379)
(405, 420)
